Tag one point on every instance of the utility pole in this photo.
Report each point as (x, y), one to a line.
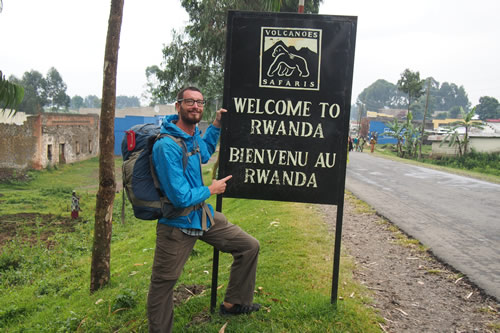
(423, 121)
(360, 116)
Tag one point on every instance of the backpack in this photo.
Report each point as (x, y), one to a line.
(139, 176)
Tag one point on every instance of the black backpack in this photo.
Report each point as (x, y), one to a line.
(139, 176)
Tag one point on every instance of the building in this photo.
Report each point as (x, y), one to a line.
(38, 141)
(143, 111)
(48, 139)
(486, 140)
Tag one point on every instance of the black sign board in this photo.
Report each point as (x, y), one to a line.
(287, 90)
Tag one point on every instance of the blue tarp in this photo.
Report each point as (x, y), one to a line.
(381, 129)
(123, 124)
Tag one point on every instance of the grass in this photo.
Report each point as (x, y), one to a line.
(481, 166)
(361, 207)
(45, 277)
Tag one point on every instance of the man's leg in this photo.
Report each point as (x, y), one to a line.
(229, 238)
(172, 250)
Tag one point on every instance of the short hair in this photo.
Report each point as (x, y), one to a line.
(180, 94)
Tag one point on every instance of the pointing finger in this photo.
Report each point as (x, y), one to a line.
(225, 179)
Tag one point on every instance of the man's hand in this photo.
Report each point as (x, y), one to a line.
(219, 186)
(218, 116)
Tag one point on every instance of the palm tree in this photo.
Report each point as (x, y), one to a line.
(397, 130)
(11, 95)
(411, 135)
(455, 138)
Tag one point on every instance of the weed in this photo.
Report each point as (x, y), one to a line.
(71, 323)
(56, 191)
(495, 327)
(10, 313)
(47, 288)
(9, 260)
(125, 300)
(435, 271)
(361, 206)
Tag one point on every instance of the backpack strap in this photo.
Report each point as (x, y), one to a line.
(185, 155)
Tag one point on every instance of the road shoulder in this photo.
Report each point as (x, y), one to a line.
(412, 290)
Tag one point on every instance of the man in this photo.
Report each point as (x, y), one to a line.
(176, 236)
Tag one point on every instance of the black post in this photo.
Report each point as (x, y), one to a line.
(338, 225)
(336, 255)
(215, 263)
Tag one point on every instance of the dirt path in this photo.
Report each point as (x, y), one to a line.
(412, 290)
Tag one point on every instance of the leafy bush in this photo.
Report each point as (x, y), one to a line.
(125, 300)
(47, 288)
(9, 260)
(487, 163)
(60, 190)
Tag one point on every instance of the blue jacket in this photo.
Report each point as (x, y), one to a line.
(183, 188)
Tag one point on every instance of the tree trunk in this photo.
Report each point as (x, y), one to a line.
(101, 250)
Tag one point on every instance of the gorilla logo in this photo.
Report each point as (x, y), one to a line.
(285, 63)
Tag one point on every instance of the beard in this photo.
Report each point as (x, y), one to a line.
(188, 117)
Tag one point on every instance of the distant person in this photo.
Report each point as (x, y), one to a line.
(356, 143)
(177, 234)
(372, 144)
(362, 142)
(350, 143)
(75, 206)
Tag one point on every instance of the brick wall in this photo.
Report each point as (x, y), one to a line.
(17, 145)
(48, 139)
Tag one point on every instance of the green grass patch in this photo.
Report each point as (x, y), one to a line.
(45, 276)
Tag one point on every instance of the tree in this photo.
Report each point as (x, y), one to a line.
(92, 101)
(455, 138)
(55, 90)
(428, 101)
(35, 93)
(411, 137)
(101, 249)
(410, 84)
(11, 94)
(381, 94)
(454, 111)
(40, 91)
(127, 102)
(76, 102)
(196, 54)
(488, 108)
(450, 95)
(422, 130)
(441, 116)
(152, 86)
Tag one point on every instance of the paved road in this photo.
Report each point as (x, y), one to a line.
(457, 217)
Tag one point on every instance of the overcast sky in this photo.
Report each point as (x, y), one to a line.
(451, 40)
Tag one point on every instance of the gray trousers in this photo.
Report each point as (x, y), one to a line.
(172, 251)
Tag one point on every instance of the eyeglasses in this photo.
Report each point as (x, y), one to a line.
(190, 102)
